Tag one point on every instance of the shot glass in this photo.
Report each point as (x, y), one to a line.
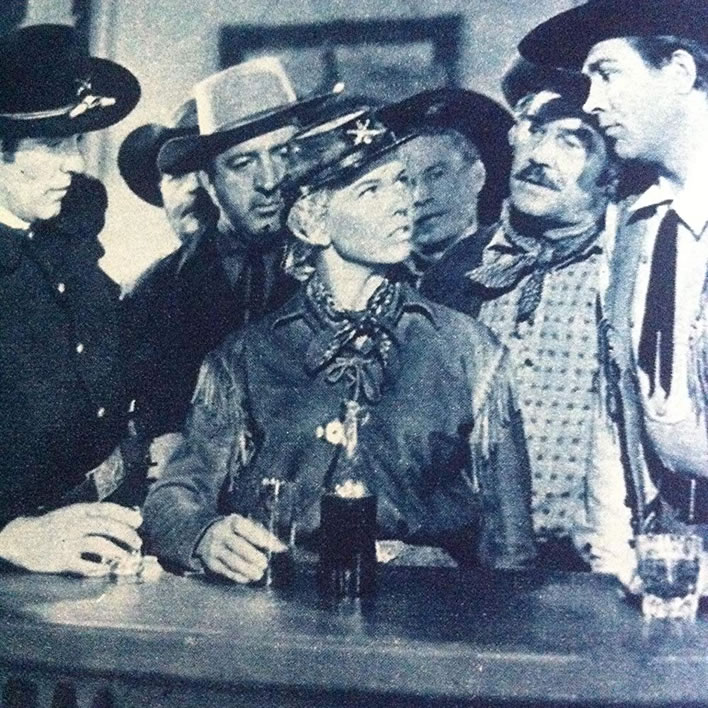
(668, 566)
(275, 510)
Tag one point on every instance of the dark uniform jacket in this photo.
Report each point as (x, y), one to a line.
(63, 400)
(442, 441)
(182, 308)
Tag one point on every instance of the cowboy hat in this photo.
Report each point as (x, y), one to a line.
(565, 39)
(235, 105)
(524, 78)
(49, 87)
(337, 150)
(137, 156)
(476, 116)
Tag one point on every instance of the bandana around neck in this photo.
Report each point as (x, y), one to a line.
(504, 265)
(354, 346)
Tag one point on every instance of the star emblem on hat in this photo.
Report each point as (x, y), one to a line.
(363, 134)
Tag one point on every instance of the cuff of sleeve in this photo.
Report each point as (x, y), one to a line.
(176, 537)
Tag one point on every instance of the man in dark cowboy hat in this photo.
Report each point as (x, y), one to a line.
(63, 401)
(188, 208)
(458, 165)
(648, 65)
(534, 278)
(185, 305)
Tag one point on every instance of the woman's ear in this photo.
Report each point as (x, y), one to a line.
(307, 221)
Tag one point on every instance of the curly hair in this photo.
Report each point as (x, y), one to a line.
(305, 219)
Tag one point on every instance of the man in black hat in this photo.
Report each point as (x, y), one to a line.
(534, 278)
(187, 206)
(647, 61)
(231, 274)
(458, 165)
(64, 403)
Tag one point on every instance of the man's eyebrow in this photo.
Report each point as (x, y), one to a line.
(435, 165)
(366, 181)
(598, 64)
(582, 133)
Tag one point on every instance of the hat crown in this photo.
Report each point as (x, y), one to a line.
(241, 92)
(41, 67)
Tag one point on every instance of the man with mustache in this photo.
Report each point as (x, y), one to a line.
(536, 284)
(235, 149)
(648, 66)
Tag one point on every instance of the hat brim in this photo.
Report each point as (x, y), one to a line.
(348, 168)
(193, 152)
(108, 79)
(565, 39)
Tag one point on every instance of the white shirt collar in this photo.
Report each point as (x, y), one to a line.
(690, 203)
(14, 222)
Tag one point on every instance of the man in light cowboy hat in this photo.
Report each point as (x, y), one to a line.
(63, 399)
(458, 165)
(647, 61)
(231, 274)
(439, 440)
(534, 278)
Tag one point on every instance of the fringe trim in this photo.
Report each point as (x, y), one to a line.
(492, 414)
(698, 361)
(220, 396)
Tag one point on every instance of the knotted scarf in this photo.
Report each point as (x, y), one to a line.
(505, 264)
(355, 346)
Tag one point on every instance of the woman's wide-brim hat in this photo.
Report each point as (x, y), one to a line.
(137, 156)
(483, 121)
(235, 105)
(50, 87)
(334, 152)
(565, 39)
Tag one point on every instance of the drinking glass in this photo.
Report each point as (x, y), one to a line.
(275, 511)
(668, 566)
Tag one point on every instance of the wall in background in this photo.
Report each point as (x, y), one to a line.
(171, 44)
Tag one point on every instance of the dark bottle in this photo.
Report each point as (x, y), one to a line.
(347, 564)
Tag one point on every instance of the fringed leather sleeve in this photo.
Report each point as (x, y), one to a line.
(500, 466)
(217, 444)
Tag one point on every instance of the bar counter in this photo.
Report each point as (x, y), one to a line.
(430, 636)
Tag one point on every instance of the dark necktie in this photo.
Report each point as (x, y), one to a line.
(256, 279)
(656, 342)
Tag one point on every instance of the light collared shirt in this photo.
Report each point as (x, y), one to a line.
(676, 423)
(14, 222)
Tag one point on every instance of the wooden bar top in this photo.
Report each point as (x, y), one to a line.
(437, 634)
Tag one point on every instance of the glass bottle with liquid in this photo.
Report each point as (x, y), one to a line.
(347, 562)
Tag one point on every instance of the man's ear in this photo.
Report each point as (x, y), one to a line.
(682, 70)
(479, 174)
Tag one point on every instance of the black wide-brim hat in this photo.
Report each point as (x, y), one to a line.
(565, 39)
(335, 152)
(49, 87)
(524, 77)
(193, 152)
(137, 155)
(476, 116)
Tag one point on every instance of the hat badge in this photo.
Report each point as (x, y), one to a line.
(363, 133)
(87, 100)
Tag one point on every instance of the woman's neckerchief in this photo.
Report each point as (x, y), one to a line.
(359, 346)
(504, 265)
